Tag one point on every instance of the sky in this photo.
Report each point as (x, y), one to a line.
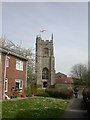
(68, 21)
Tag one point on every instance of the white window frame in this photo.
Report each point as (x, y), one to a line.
(18, 81)
(19, 65)
(6, 85)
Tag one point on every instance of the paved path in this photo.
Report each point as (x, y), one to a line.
(75, 109)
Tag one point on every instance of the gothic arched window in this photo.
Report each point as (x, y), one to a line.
(45, 73)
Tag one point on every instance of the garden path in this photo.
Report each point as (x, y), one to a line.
(75, 109)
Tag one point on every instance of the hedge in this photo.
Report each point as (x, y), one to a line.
(65, 93)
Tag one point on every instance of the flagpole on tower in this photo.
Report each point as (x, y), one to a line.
(41, 31)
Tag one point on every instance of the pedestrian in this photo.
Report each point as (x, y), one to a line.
(76, 92)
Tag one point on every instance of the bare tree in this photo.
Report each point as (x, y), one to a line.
(16, 48)
(79, 71)
(12, 47)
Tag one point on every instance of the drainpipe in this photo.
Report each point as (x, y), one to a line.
(0, 75)
(5, 74)
(26, 74)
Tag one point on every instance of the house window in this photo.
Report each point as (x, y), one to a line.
(19, 65)
(6, 85)
(7, 61)
(18, 84)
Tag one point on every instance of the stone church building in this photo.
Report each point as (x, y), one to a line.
(45, 62)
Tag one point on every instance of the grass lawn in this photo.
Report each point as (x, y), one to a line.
(34, 107)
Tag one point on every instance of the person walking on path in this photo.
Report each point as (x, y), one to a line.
(76, 91)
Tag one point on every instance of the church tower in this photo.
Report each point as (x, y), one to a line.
(44, 63)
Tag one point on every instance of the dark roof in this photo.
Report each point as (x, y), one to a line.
(13, 54)
(61, 74)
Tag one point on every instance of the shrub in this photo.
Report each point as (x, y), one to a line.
(80, 82)
(41, 92)
(52, 86)
(32, 90)
(64, 93)
(28, 91)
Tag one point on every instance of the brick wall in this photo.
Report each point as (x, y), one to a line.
(12, 74)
